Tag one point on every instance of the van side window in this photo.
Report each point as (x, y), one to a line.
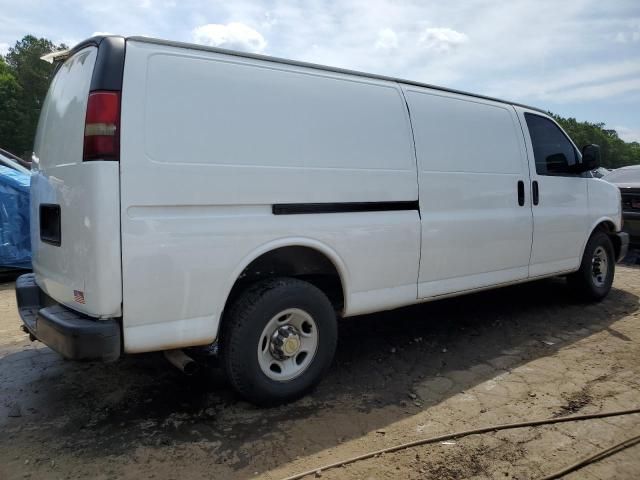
(552, 150)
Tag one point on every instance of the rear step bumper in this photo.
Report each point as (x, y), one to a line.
(73, 335)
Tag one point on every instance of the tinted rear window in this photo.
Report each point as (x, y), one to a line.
(60, 134)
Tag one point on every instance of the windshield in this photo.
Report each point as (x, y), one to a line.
(624, 175)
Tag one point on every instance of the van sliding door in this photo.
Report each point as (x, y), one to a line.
(475, 209)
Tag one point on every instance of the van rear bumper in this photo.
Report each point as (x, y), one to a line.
(73, 335)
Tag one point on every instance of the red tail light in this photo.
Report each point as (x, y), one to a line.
(102, 127)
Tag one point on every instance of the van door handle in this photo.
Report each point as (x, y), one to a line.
(536, 192)
(520, 193)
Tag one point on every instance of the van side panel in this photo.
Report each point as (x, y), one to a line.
(471, 157)
(210, 142)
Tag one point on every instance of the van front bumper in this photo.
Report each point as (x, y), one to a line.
(632, 227)
(73, 335)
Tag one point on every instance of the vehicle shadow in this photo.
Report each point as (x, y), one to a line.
(11, 274)
(383, 372)
(632, 258)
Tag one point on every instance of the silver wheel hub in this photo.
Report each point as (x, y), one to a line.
(288, 344)
(599, 266)
(285, 342)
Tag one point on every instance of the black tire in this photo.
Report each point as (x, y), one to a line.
(583, 281)
(243, 327)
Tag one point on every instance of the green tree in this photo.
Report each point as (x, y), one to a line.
(615, 151)
(10, 114)
(32, 76)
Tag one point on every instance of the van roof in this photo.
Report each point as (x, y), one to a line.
(192, 46)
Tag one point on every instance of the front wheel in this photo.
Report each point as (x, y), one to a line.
(278, 340)
(594, 279)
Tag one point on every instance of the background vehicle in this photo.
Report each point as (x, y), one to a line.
(6, 156)
(15, 243)
(11, 161)
(628, 180)
(264, 198)
(600, 172)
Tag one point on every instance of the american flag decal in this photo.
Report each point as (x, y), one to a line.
(78, 296)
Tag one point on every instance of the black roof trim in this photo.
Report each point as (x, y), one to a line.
(109, 68)
(192, 46)
(89, 42)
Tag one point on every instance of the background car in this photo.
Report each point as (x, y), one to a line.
(15, 240)
(628, 180)
(600, 172)
(9, 160)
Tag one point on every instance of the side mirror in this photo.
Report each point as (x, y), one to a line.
(590, 157)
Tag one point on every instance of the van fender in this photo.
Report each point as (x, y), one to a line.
(321, 247)
(592, 229)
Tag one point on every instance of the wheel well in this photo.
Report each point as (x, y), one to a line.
(300, 262)
(606, 226)
(609, 228)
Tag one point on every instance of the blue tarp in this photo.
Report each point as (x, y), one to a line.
(15, 241)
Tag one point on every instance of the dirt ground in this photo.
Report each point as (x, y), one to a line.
(514, 354)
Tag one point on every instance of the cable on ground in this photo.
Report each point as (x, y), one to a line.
(596, 457)
(492, 428)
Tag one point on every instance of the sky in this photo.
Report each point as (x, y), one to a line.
(577, 58)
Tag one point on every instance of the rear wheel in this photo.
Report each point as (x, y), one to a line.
(278, 340)
(594, 279)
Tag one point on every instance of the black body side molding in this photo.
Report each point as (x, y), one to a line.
(343, 207)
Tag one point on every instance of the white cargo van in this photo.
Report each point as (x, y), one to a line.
(185, 195)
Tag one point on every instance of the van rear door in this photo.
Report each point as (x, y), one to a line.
(75, 219)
